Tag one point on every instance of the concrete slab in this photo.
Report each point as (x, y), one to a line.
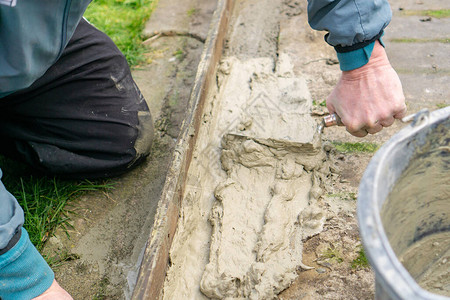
(167, 81)
(419, 57)
(412, 27)
(156, 90)
(309, 54)
(419, 4)
(426, 90)
(181, 18)
(259, 26)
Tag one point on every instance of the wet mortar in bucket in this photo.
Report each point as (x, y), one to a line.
(415, 215)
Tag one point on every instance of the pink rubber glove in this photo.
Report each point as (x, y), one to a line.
(54, 292)
(368, 98)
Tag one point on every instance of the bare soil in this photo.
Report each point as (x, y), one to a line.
(333, 251)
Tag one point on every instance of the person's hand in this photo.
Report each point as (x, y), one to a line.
(370, 97)
(54, 292)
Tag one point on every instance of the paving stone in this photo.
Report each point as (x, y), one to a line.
(419, 57)
(188, 16)
(425, 90)
(412, 27)
(419, 4)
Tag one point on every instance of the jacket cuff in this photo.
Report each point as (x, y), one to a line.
(12, 242)
(355, 59)
(23, 271)
(356, 56)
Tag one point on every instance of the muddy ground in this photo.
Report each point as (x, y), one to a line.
(111, 229)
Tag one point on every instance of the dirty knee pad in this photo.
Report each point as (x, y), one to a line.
(145, 129)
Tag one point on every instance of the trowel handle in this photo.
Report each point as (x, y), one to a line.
(331, 120)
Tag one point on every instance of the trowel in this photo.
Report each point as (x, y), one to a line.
(314, 145)
(329, 120)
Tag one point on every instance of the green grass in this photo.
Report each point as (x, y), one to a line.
(323, 103)
(43, 199)
(412, 40)
(356, 147)
(441, 105)
(361, 261)
(102, 286)
(191, 12)
(333, 254)
(439, 13)
(58, 260)
(350, 196)
(179, 54)
(123, 21)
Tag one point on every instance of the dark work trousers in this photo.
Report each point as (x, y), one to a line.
(84, 118)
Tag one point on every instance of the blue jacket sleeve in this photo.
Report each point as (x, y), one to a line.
(11, 216)
(353, 27)
(33, 35)
(24, 274)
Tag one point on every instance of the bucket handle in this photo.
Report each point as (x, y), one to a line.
(418, 119)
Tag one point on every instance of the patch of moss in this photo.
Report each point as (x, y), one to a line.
(361, 261)
(102, 289)
(333, 254)
(356, 147)
(60, 258)
(412, 40)
(191, 12)
(438, 13)
(345, 196)
(179, 54)
(323, 103)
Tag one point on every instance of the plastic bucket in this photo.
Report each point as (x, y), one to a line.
(404, 210)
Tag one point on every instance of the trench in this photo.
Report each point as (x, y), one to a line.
(253, 184)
